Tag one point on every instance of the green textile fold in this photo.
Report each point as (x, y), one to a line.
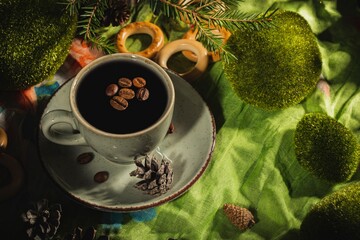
(254, 164)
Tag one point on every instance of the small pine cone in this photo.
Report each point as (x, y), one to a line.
(238, 216)
(88, 234)
(117, 14)
(42, 220)
(157, 174)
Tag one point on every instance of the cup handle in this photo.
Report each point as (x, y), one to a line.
(55, 117)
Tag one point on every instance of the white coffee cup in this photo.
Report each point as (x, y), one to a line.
(117, 147)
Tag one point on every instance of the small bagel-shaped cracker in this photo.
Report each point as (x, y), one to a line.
(186, 45)
(3, 139)
(16, 174)
(214, 56)
(141, 28)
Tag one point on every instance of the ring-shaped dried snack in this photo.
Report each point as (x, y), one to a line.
(3, 139)
(214, 56)
(10, 166)
(141, 28)
(185, 45)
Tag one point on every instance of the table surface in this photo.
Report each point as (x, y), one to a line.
(253, 164)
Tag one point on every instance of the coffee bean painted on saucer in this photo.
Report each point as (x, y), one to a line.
(85, 158)
(101, 177)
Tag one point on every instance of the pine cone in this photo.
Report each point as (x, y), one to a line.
(240, 217)
(156, 172)
(89, 234)
(41, 220)
(117, 13)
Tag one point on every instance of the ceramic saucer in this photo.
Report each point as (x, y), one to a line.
(190, 148)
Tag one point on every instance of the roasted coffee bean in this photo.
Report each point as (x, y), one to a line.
(127, 93)
(119, 103)
(142, 94)
(111, 90)
(101, 177)
(139, 82)
(124, 82)
(85, 157)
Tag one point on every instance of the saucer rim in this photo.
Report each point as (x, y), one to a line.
(140, 206)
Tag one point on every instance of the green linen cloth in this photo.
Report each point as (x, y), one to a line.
(254, 164)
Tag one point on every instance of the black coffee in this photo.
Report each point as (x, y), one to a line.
(93, 102)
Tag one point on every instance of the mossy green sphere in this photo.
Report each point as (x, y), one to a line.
(35, 36)
(335, 217)
(276, 67)
(326, 148)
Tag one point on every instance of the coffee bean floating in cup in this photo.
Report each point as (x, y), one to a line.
(127, 93)
(124, 90)
(124, 82)
(139, 82)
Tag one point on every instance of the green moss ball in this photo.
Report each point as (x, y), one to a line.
(326, 148)
(35, 36)
(335, 217)
(276, 67)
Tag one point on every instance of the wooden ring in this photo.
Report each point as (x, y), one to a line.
(189, 45)
(3, 139)
(214, 56)
(138, 28)
(16, 173)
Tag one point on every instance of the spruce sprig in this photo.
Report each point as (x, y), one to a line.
(207, 15)
(204, 15)
(90, 25)
(73, 6)
(91, 14)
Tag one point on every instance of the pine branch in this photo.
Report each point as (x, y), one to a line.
(207, 15)
(211, 11)
(73, 6)
(213, 42)
(90, 26)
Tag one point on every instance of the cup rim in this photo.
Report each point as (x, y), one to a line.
(166, 80)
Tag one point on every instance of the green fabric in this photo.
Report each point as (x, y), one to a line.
(253, 164)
